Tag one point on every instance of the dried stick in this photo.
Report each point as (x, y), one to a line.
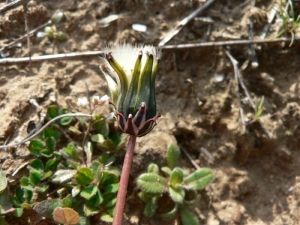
(12, 5)
(30, 137)
(190, 158)
(236, 72)
(183, 22)
(240, 81)
(225, 43)
(118, 216)
(67, 56)
(25, 35)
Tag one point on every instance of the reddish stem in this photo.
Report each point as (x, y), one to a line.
(118, 216)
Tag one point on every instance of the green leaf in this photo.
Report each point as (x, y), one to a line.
(152, 183)
(35, 177)
(100, 125)
(84, 176)
(47, 175)
(111, 188)
(89, 210)
(36, 146)
(46, 208)
(37, 164)
(107, 145)
(3, 221)
(75, 130)
(42, 188)
(109, 199)
(24, 194)
(3, 181)
(96, 200)
(67, 201)
(50, 143)
(52, 111)
(199, 179)
(105, 217)
(188, 218)
(61, 176)
(26, 183)
(176, 177)
(51, 164)
(166, 170)
(177, 194)
(108, 178)
(173, 153)
(18, 212)
(98, 138)
(151, 207)
(5, 201)
(50, 132)
(170, 214)
(46, 153)
(153, 168)
(65, 120)
(88, 192)
(66, 216)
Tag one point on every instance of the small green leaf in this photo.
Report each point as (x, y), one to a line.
(88, 192)
(65, 120)
(96, 200)
(75, 130)
(100, 125)
(50, 143)
(5, 201)
(46, 153)
(89, 210)
(52, 111)
(36, 146)
(188, 218)
(66, 216)
(18, 212)
(199, 179)
(35, 177)
(42, 189)
(3, 181)
(177, 194)
(152, 183)
(173, 153)
(67, 201)
(111, 188)
(109, 199)
(47, 175)
(176, 177)
(105, 217)
(108, 178)
(37, 164)
(166, 170)
(107, 145)
(98, 138)
(24, 194)
(50, 132)
(46, 208)
(151, 207)
(84, 176)
(153, 168)
(51, 164)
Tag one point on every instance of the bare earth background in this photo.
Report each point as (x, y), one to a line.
(253, 174)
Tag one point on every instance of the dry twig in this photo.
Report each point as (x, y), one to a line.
(240, 81)
(183, 22)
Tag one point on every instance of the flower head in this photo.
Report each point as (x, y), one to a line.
(130, 72)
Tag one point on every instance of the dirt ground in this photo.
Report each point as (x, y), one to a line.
(196, 96)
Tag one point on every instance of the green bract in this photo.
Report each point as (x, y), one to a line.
(130, 72)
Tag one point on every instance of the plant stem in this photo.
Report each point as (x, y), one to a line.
(118, 216)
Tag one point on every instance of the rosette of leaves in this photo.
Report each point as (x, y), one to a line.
(93, 189)
(174, 187)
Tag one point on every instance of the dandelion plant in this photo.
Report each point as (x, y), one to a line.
(130, 72)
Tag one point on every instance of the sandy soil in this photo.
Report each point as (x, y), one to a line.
(253, 173)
